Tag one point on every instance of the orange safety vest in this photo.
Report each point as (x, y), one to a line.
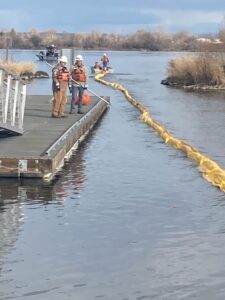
(78, 74)
(63, 74)
(105, 59)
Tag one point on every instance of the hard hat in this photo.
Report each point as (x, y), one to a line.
(79, 57)
(63, 59)
(53, 45)
(104, 54)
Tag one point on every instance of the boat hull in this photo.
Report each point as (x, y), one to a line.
(97, 71)
(47, 57)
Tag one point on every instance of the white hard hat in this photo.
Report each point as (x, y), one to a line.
(63, 59)
(79, 57)
(104, 54)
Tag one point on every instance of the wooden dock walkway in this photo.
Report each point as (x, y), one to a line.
(41, 151)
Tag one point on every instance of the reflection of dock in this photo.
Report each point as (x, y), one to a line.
(11, 215)
(47, 141)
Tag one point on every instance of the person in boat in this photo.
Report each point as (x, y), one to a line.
(41, 55)
(60, 83)
(79, 79)
(51, 50)
(105, 61)
(97, 66)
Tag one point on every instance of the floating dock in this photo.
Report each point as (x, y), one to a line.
(47, 142)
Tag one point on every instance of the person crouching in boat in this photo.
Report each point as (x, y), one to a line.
(97, 66)
(79, 80)
(60, 83)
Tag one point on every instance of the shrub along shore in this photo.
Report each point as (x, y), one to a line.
(25, 70)
(197, 71)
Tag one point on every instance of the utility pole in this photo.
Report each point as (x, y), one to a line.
(8, 43)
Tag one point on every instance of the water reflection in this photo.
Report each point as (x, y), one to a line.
(70, 181)
(11, 216)
(15, 195)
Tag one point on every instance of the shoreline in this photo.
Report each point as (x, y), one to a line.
(202, 87)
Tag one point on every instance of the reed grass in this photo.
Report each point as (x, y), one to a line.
(18, 68)
(200, 69)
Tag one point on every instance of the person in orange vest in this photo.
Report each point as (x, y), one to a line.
(97, 66)
(79, 80)
(60, 83)
(105, 61)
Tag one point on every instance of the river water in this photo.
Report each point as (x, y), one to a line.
(129, 217)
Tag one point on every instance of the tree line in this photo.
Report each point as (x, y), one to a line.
(158, 40)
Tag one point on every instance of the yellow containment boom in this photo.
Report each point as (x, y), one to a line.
(211, 170)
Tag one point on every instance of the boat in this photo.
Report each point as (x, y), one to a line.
(99, 70)
(50, 54)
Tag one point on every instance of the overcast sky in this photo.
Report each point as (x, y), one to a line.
(119, 16)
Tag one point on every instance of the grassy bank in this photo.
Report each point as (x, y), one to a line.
(18, 68)
(200, 70)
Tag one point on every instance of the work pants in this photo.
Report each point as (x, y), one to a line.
(60, 99)
(77, 97)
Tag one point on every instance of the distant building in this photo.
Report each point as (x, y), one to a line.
(204, 40)
(207, 40)
(217, 41)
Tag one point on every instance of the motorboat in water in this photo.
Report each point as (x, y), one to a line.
(50, 54)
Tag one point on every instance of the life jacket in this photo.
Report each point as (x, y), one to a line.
(105, 59)
(79, 74)
(63, 74)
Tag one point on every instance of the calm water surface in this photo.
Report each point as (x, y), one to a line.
(128, 218)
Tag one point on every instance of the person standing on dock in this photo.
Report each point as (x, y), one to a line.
(60, 83)
(79, 80)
